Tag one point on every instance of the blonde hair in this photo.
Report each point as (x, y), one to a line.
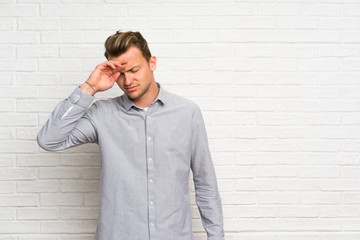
(120, 42)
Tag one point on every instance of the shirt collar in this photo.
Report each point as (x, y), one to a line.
(128, 103)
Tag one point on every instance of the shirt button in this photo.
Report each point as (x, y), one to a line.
(151, 180)
(150, 159)
(152, 224)
(151, 202)
(149, 138)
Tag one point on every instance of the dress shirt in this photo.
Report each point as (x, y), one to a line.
(146, 157)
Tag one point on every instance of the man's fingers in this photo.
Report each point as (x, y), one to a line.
(115, 76)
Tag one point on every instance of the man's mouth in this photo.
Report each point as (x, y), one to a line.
(131, 89)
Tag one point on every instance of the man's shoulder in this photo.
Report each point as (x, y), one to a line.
(105, 103)
(180, 101)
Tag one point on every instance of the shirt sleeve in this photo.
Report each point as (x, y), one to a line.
(206, 190)
(70, 123)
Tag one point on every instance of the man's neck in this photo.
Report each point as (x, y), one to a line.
(149, 96)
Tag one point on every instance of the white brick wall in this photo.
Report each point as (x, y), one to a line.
(278, 82)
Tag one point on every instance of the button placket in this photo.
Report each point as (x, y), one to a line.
(151, 181)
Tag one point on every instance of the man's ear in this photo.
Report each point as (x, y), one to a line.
(152, 63)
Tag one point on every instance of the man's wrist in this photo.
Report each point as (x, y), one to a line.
(87, 88)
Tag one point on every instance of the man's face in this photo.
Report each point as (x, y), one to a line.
(136, 78)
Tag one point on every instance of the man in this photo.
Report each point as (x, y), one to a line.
(149, 140)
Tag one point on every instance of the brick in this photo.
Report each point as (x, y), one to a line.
(351, 10)
(105, 10)
(223, 158)
(338, 106)
(322, 64)
(319, 145)
(61, 199)
(39, 186)
(19, 92)
(7, 105)
(75, 226)
(244, 225)
(170, 23)
(18, 10)
(278, 9)
(255, 22)
(299, 224)
(19, 200)
(18, 173)
(148, 10)
(233, 145)
(59, 172)
(7, 134)
(213, 22)
(61, 10)
(22, 37)
(238, 198)
(188, 10)
(297, 22)
(18, 147)
(18, 65)
(7, 160)
(59, 92)
(7, 24)
(339, 23)
(27, 51)
(255, 211)
(320, 10)
(20, 227)
(205, 51)
(287, 184)
(7, 214)
(7, 52)
(234, 9)
(183, 36)
(36, 106)
(38, 213)
(350, 198)
(288, 197)
(35, 79)
(225, 172)
(298, 52)
(81, 51)
(275, 171)
(91, 173)
(40, 24)
(50, 65)
(7, 188)
(92, 199)
(81, 24)
(79, 185)
(79, 213)
(340, 185)
(26, 133)
(255, 184)
(271, 119)
(37, 160)
(62, 37)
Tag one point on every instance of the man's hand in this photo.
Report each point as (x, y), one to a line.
(103, 77)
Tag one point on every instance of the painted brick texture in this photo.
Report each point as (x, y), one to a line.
(278, 82)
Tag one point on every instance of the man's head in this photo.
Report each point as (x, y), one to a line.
(137, 79)
(118, 43)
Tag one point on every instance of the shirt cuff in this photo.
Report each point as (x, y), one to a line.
(81, 98)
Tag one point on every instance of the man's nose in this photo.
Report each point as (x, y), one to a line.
(127, 79)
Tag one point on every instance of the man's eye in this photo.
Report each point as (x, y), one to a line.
(133, 71)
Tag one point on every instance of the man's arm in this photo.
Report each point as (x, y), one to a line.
(207, 195)
(70, 123)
